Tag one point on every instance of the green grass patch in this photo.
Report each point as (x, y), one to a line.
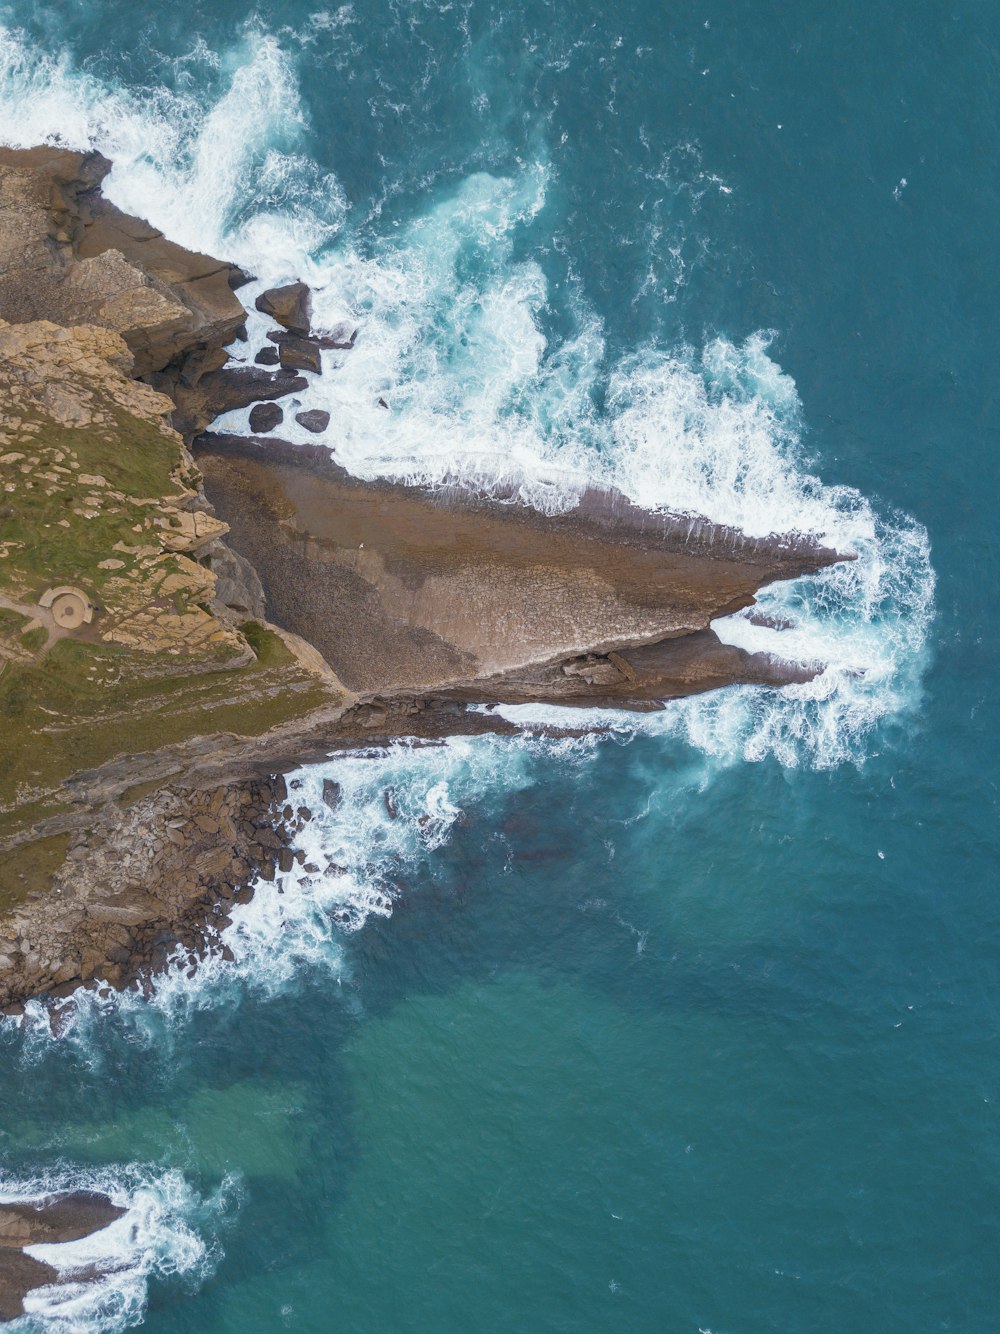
(271, 649)
(34, 639)
(11, 621)
(137, 461)
(85, 703)
(28, 868)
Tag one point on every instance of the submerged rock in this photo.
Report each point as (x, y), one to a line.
(289, 305)
(315, 420)
(342, 336)
(332, 793)
(265, 417)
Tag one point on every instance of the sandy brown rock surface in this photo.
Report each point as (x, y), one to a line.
(403, 589)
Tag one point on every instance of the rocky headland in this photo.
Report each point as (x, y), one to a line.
(185, 615)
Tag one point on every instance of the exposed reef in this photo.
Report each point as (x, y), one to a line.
(406, 589)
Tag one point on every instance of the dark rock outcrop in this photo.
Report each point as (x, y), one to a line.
(265, 417)
(290, 305)
(223, 390)
(300, 354)
(267, 356)
(315, 420)
(342, 339)
(46, 1220)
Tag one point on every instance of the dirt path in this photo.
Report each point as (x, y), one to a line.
(33, 612)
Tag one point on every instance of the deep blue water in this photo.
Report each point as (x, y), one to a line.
(689, 1030)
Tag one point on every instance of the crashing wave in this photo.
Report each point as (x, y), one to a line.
(103, 1279)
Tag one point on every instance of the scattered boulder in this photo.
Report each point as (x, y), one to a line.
(265, 417)
(267, 356)
(300, 354)
(333, 793)
(224, 390)
(315, 420)
(289, 305)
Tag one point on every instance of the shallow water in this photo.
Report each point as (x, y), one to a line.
(690, 1028)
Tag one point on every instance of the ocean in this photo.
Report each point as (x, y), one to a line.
(690, 1025)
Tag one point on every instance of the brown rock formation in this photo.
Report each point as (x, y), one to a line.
(70, 256)
(290, 305)
(399, 607)
(160, 875)
(406, 590)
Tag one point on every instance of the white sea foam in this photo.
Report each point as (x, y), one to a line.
(167, 1230)
(395, 807)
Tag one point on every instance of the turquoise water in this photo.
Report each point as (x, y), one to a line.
(691, 1028)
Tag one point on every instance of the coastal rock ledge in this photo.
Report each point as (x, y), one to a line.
(241, 606)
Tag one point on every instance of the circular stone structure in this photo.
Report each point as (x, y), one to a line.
(70, 607)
